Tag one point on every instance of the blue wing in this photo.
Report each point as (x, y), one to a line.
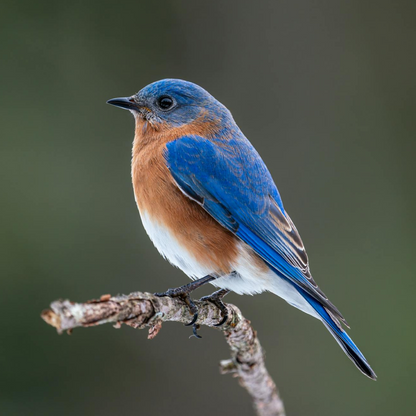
(231, 182)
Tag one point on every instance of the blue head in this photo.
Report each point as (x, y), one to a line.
(173, 102)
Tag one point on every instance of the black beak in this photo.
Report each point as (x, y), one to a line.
(127, 103)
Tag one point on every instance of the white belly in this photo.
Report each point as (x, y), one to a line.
(169, 247)
(247, 279)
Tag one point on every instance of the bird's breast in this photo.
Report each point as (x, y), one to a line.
(182, 231)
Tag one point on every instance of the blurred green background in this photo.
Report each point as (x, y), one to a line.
(324, 90)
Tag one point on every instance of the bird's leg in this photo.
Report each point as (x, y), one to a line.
(216, 299)
(183, 293)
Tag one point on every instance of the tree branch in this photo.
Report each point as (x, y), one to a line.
(141, 309)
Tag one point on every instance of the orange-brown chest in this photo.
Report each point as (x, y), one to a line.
(185, 223)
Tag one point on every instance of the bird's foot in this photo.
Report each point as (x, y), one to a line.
(216, 299)
(183, 293)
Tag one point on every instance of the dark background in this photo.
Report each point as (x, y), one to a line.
(325, 90)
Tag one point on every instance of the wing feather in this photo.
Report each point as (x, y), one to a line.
(231, 182)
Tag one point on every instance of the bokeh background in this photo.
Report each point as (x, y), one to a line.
(325, 90)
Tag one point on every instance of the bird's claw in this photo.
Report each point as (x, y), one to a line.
(216, 299)
(195, 328)
(223, 320)
(184, 295)
(194, 319)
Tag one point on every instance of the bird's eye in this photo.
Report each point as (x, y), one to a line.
(165, 102)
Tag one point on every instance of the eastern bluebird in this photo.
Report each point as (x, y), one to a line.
(211, 207)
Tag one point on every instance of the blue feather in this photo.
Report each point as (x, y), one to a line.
(231, 182)
(344, 341)
(237, 189)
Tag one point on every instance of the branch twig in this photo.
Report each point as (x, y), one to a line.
(141, 309)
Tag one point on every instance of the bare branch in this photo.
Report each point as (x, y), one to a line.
(141, 309)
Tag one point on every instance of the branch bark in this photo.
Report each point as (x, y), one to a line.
(141, 309)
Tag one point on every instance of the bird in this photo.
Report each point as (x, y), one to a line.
(211, 208)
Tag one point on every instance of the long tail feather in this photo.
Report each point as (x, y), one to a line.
(341, 337)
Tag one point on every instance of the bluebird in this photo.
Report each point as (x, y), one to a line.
(212, 209)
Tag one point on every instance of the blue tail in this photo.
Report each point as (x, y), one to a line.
(341, 337)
